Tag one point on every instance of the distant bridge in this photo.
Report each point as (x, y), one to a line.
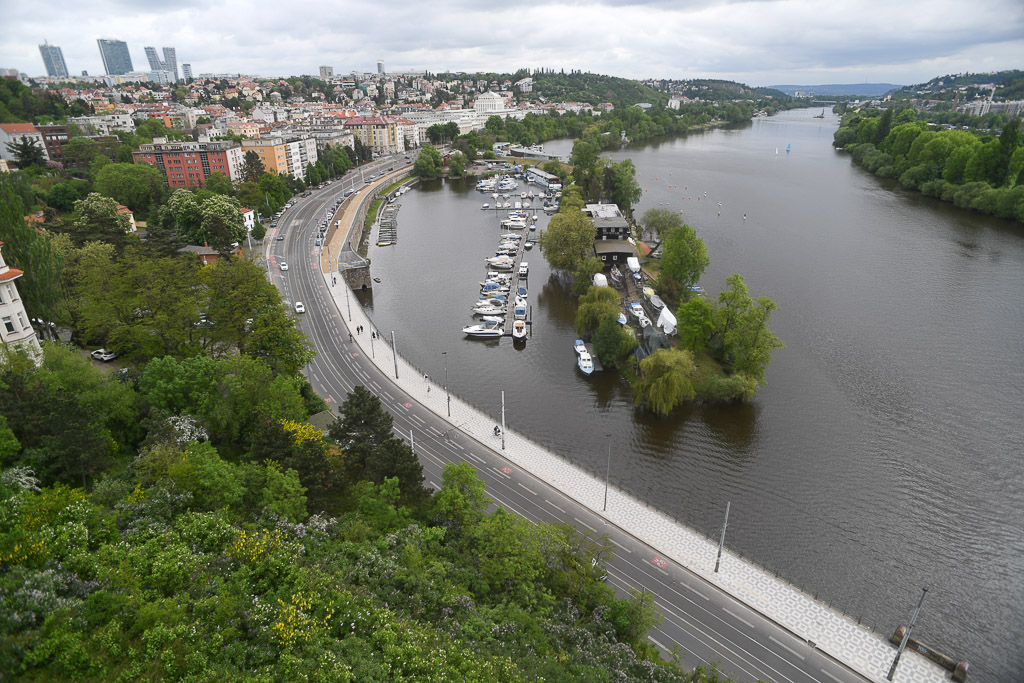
(822, 102)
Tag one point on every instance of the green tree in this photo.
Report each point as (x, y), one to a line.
(220, 184)
(666, 380)
(684, 258)
(742, 324)
(63, 196)
(428, 163)
(462, 502)
(613, 342)
(1008, 145)
(252, 167)
(137, 186)
(696, 323)
(621, 186)
(222, 224)
(457, 164)
(27, 152)
(595, 306)
(96, 219)
(568, 240)
(660, 223)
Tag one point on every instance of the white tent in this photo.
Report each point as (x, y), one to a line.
(600, 280)
(667, 321)
(634, 264)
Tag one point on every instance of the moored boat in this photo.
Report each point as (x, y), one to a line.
(585, 363)
(519, 329)
(483, 331)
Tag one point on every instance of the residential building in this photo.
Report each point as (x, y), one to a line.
(611, 243)
(189, 164)
(54, 139)
(105, 124)
(284, 154)
(15, 327)
(326, 72)
(53, 60)
(186, 71)
(15, 132)
(525, 84)
(207, 254)
(379, 133)
(115, 56)
(249, 219)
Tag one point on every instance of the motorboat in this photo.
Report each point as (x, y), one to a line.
(533, 226)
(520, 301)
(490, 330)
(657, 302)
(522, 195)
(519, 312)
(485, 207)
(514, 236)
(493, 318)
(585, 363)
(636, 310)
(580, 347)
(488, 309)
(521, 292)
(496, 260)
(644, 321)
(496, 287)
(494, 297)
(528, 245)
(519, 329)
(524, 268)
(622, 319)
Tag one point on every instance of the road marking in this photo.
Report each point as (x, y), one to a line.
(520, 485)
(555, 506)
(375, 385)
(621, 546)
(579, 521)
(666, 650)
(784, 647)
(507, 470)
(434, 430)
(737, 617)
(695, 591)
(659, 563)
(407, 406)
(502, 473)
(418, 419)
(475, 456)
(829, 675)
(434, 486)
(458, 446)
(389, 395)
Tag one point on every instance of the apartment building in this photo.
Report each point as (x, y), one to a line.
(379, 133)
(15, 327)
(189, 164)
(284, 154)
(15, 132)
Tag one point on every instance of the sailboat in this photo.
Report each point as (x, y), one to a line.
(787, 149)
(821, 115)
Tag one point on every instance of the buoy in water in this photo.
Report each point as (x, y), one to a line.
(744, 216)
(719, 213)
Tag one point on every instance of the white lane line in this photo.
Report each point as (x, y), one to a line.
(418, 419)
(390, 397)
(664, 649)
(621, 546)
(829, 675)
(580, 521)
(434, 430)
(434, 486)
(555, 506)
(474, 456)
(784, 647)
(375, 385)
(525, 488)
(498, 471)
(458, 446)
(737, 617)
(694, 591)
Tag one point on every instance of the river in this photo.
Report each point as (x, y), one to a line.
(885, 451)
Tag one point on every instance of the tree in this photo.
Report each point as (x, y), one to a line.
(462, 501)
(63, 196)
(666, 380)
(684, 258)
(587, 168)
(495, 125)
(361, 427)
(96, 219)
(252, 167)
(26, 152)
(219, 183)
(594, 307)
(660, 223)
(621, 186)
(137, 186)
(568, 240)
(435, 134)
(742, 323)
(696, 323)
(613, 342)
(457, 164)
(428, 163)
(222, 224)
(1008, 143)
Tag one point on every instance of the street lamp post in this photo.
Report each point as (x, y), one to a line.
(348, 304)
(721, 541)
(906, 636)
(394, 352)
(447, 394)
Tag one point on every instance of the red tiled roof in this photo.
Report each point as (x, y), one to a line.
(18, 128)
(10, 274)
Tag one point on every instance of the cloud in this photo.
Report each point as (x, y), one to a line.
(754, 42)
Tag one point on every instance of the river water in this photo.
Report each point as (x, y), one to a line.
(885, 452)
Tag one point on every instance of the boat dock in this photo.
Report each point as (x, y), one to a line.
(509, 317)
(387, 232)
(593, 357)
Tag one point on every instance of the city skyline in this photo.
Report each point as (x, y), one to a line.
(762, 43)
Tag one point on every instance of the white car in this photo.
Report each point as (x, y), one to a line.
(103, 355)
(299, 308)
(284, 266)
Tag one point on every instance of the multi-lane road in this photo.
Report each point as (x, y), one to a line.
(701, 623)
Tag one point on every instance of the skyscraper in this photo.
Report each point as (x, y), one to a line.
(169, 63)
(53, 59)
(380, 66)
(326, 72)
(114, 53)
(186, 71)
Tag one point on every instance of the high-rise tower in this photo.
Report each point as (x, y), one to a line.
(114, 53)
(53, 59)
(169, 63)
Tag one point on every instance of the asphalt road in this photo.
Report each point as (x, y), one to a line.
(701, 623)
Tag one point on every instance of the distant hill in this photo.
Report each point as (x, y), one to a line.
(845, 89)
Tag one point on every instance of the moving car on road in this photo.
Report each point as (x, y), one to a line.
(299, 308)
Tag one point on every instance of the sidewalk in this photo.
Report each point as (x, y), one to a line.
(863, 650)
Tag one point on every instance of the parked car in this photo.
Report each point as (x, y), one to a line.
(318, 243)
(284, 266)
(299, 308)
(103, 355)
(280, 238)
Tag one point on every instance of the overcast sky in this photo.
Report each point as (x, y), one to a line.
(758, 43)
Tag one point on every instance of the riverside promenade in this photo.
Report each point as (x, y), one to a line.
(857, 646)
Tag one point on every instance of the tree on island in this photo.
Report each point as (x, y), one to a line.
(568, 241)
(428, 163)
(683, 261)
(666, 380)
